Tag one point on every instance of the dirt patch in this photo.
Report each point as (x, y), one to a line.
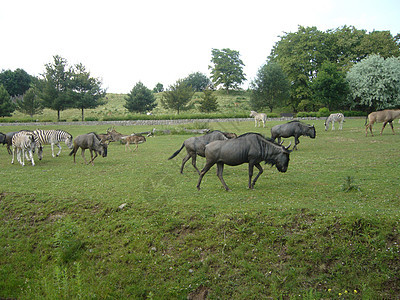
(199, 294)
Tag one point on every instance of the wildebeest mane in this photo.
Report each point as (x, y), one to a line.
(96, 135)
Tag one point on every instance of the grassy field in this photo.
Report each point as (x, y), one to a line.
(132, 227)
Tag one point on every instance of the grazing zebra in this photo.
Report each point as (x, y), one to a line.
(339, 117)
(52, 137)
(23, 143)
(258, 117)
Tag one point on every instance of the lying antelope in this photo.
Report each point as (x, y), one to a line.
(385, 116)
(133, 139)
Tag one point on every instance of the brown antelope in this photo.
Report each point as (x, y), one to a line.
(385, 116)
(133, 139)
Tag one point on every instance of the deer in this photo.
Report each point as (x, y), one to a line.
(385, 116)
(133, 139)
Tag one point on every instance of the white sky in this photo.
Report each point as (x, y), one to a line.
(126, 41)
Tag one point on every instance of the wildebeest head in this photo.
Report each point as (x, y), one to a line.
(103, 151)
(2, 138)
(311, 131)
(282, 159)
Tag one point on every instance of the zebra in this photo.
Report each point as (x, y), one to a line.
(23, 143)
(258, 117)
(52, 137)
(339, 117)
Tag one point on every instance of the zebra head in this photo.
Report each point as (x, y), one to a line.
(68, 141)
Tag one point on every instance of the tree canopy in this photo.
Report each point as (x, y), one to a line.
(16, 82)
(374, 83)
(30, 103)
(7, 107)
(226, 68)
(178, 96)
(140, 99)
(270, 88)
(198, 81)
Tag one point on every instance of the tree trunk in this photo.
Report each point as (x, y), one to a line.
(82, 115)
(58, 115)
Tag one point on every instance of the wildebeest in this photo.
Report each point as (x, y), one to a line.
(2, 138)
(293, 128)
(92, 142)
(196, 146)
(339, 117)
(385, 116)
(251, 148)
(133, 139)
(258, 117)
(23, 144)
(8, 140)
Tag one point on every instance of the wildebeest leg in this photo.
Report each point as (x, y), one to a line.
(296, 141)
(260, 169)
(184, 160)
(279, 140)
(391, 125)
(194, 157)
(203, 172)
(383, 127)
(220, 170)
(91, 156)
(83, 155)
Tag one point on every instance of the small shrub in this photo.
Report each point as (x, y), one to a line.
(349, 185)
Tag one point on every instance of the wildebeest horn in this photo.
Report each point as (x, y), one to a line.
(287, 148)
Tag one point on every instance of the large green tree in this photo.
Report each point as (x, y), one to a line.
(55, 85)
(198, 81)
(374, 83)
(86, 91)
(208, 102)
(7, 107)
(140, 99)
(302, 53)
(178, 96)
(226, 68)
(16, 82)
(270, 88)
(30, 103)
(330, 87)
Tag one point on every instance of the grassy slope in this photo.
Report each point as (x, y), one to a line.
(296, 234)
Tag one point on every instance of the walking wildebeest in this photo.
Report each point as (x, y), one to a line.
(133, 139)
(293, 128)
(385, 116)
(339, 117)
(251, 148)
(196, 146)
(92, 142)
(258, 117)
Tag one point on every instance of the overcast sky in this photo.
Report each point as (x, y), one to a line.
(123, 42)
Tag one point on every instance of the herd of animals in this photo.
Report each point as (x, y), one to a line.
(217, 147)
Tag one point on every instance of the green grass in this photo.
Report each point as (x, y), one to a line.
(299, 234)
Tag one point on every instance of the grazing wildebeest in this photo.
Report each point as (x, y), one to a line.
(385, 116)
(339, 117)
(133, 139)
(258, 117)
(52, 137)
(92, 142)
(2, 138)
(251, 148)
(8, 141)
(293, 128)
(196, 146)
(23, 143)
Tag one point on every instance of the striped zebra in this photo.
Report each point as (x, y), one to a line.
(23, 142)
(52, 137)
(258, 117)
(339, 117)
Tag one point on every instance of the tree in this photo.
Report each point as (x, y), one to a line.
(16, 82)
(85, 91)
(7, 107)
(140, 99)
(270, 88)
(30, 103)
(209, 101)
(55, 86)
(158, 88)
(198, 81)
(374, 83)
(330, 87)
(226, 68)
(177, 96)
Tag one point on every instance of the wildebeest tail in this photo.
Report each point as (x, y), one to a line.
(177, 151)
(72, 152)
(366, 121)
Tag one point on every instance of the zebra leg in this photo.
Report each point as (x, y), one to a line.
(341, 125)
(59, 149)
(31, 157)
(333, 124)
(13, 152)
